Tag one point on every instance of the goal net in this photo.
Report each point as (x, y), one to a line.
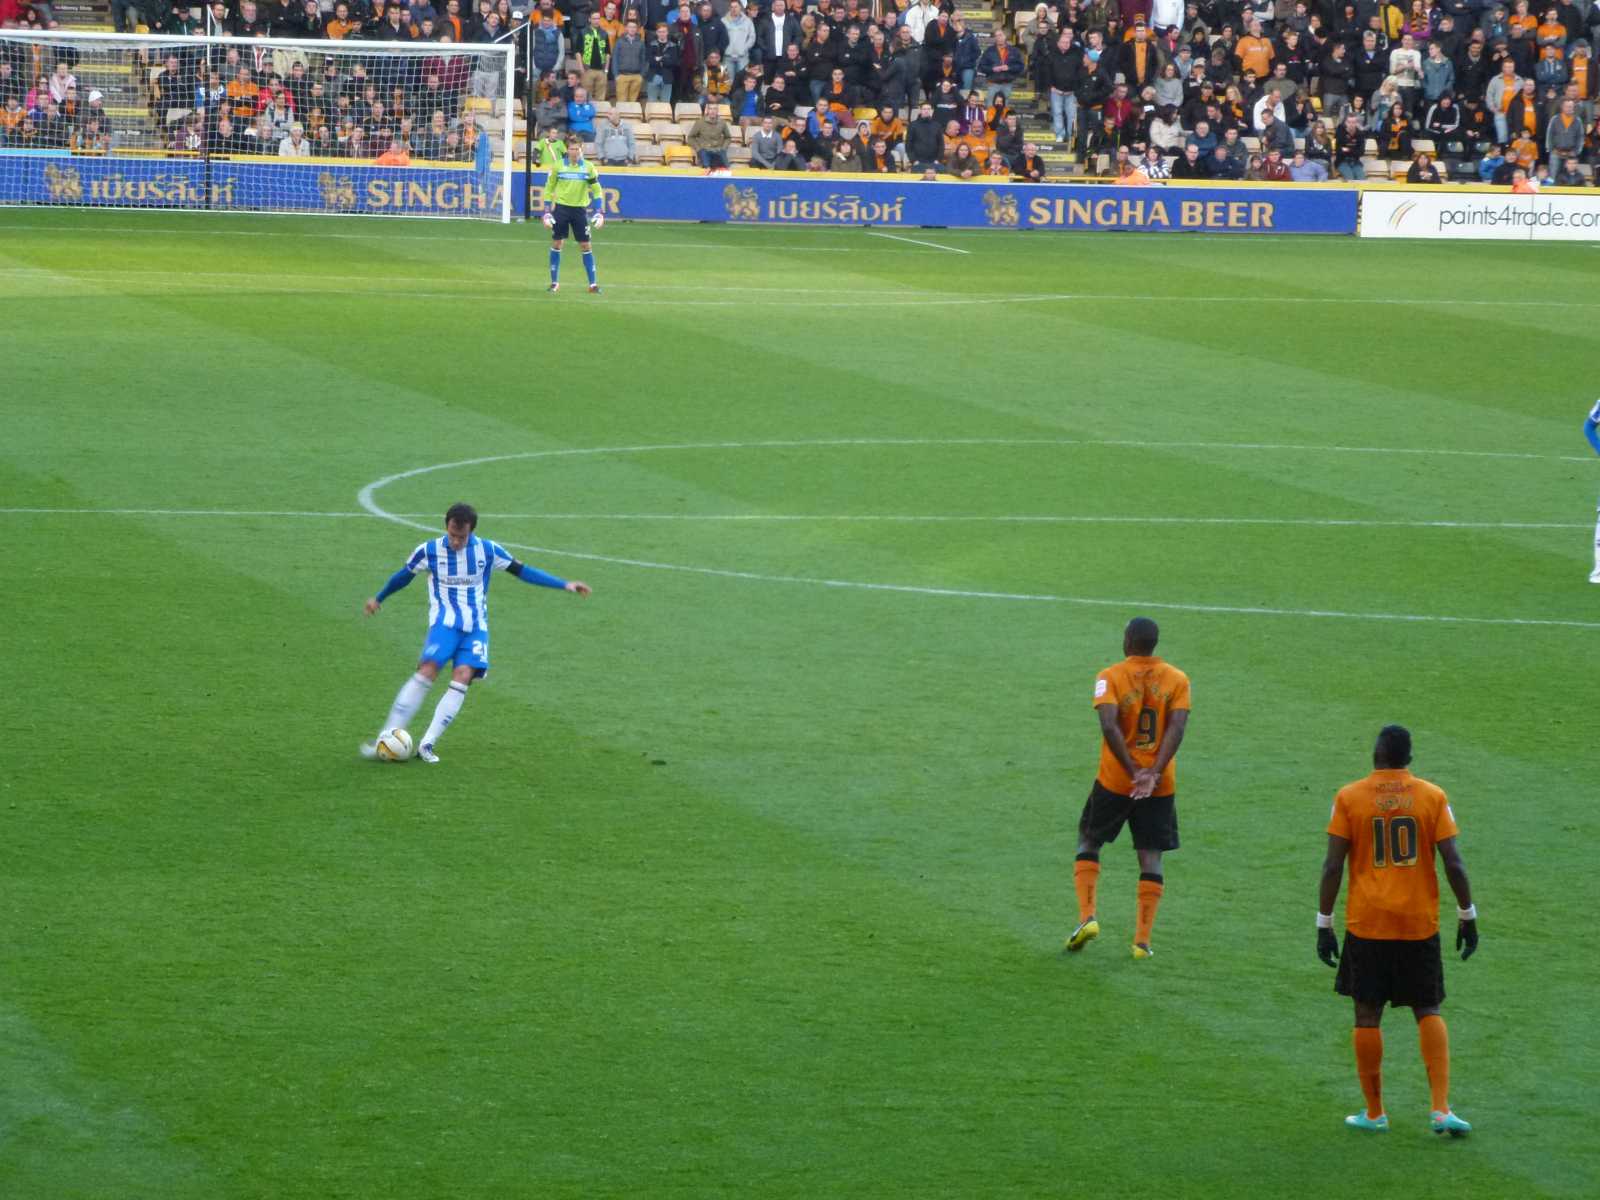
(414, 128)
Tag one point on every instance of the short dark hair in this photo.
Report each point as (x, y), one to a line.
(1142, 635)
(461, 514)
(1393, 748)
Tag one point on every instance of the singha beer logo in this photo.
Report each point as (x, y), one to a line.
(1001, 210)
(338, 191)
(741, 206)
(64, 185)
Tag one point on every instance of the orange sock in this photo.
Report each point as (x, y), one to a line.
(1435, 1039)
(1150, 889)
(1086, 880)
(1369, 1068)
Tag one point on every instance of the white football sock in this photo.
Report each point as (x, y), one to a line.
(412, 693)
(1597, 541)
(449, 705)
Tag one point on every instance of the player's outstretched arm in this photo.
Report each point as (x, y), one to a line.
(1328, 896)
(1455, 871)
(544, 579)
(398, 580)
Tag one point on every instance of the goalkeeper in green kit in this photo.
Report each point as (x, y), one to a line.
(573, 183)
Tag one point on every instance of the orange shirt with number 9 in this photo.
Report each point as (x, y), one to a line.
(1146, 691)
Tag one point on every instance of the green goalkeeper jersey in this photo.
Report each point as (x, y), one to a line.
(572, 184)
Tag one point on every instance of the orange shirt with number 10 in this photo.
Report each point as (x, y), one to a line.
(1146, 691)
(1393, 821)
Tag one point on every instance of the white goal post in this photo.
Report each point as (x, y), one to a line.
(343, 126)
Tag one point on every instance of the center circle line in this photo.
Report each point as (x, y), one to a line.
(366, 497)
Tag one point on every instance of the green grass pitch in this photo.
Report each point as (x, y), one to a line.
(741, 879)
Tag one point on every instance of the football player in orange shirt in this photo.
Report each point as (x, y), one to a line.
(1388, 827)
(1143, 705)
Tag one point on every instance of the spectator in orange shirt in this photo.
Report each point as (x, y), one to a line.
(1254, 52)
(341, 26)
(980, 139)
(1524, 151)
(1522, 19)
(242, 96)
(397, 155)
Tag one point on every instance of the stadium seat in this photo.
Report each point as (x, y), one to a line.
(864, 113)
(677, 155)
(657, 110)
(666, 131)
(726, 111)
(685, 127)
(479, 104)
(686, 112)
(739, 154)
(643, 134)
(1252, 144)
(1376, 168)
(630, 110)
(649, 154)
(1424, 146)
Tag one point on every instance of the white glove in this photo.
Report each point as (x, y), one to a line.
(549, 220)
(599, 220)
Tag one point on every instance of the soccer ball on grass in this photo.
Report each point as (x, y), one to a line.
(395, 745)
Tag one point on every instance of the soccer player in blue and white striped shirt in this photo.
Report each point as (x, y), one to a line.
(460, 565)
(1591, 430)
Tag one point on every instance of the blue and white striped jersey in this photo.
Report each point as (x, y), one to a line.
(458, 590)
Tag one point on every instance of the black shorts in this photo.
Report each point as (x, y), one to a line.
(1406, 974)
(570, 218)
(1154, 820)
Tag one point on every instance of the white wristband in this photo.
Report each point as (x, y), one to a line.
(1324, 920)
(1469, 913)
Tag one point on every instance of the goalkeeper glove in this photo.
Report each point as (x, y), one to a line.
(1467, 938)
(599, 219)
(549, 219)
(1328, 947)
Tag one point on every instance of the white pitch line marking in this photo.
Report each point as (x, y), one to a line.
(820, 518)
(366, 499)
(891, 298)
(175, 512)
(895, 237)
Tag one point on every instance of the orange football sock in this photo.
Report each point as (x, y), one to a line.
(1369, 1068)
(1086, 880)
(1150, 889)
(1435, 1039)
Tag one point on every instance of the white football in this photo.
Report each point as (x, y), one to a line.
(395, 745)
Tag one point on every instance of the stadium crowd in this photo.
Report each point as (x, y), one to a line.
(1272, 90)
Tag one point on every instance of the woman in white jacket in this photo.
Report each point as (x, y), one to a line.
(1166, 14)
